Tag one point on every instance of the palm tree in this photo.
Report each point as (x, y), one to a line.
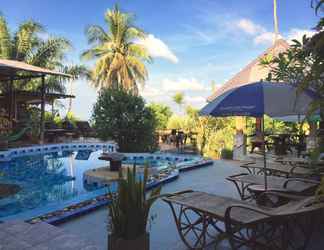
(26, 44)
(119, 59)
(77, 72)
(178, 98)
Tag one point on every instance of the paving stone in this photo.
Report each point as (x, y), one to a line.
(15, 227)
(39, 233)
(11, 243)
(17, 235)
(66, 242)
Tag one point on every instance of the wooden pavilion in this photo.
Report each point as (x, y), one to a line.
(11, 71)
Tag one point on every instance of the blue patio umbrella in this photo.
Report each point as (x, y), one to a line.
(259, 99)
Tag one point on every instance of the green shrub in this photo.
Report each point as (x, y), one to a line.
(162, 114)
(123, 117)
(227, 154)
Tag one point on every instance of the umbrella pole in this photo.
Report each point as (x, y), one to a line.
(264, 157)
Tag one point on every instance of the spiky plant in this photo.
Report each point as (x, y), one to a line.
(129, 208)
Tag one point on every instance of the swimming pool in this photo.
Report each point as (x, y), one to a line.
(53, 181)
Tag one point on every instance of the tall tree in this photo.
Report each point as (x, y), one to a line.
(178, 98)
(26, 44)
(162, 114)
(119, 59)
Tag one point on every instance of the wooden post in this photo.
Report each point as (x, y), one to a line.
(42, 120)
(10, 109)
(239, 150)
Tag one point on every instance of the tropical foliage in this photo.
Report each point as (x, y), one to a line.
(162, 114)
(119, 59)
(303, 64)
(129, 209)
(123, 117)
(28, 44)
(178, 98)
(213, 134)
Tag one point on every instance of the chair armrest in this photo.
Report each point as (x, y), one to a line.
(179, 193)
(279, 194)
(233, 177)
(246, 207)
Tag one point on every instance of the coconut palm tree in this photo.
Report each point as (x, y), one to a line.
(119, 59)
(178, 98)
(27, 45)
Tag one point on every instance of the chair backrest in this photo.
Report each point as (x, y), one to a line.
(67, 125)
(49, 125)
(306, 205)
(292, 209)
(83, 125)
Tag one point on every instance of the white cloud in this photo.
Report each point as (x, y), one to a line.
(150, 92)
(196, 101)
(299, 33)
(258, 32)
(182, 84)
(249, 26)
(264, 38)
(157, 48)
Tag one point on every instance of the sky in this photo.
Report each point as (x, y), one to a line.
(192, 42)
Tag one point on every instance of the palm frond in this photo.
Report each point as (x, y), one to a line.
(5, 39)
(113, 48)
(49, 52)
(96, 33)
(26, 39)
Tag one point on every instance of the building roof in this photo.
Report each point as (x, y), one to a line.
(11, 69)
(253, 72)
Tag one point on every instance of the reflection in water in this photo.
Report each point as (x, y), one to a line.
(44, 179)
(71, 167)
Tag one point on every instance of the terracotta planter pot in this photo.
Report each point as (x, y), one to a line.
(141, 243)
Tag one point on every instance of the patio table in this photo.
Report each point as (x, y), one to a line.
(278, 169)
(244, 182)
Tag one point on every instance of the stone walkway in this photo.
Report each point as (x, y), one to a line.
(17, 235)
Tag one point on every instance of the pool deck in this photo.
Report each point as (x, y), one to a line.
(89, 232)
(17, 235)
(163, 233)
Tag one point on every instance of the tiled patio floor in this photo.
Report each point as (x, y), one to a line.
(164, 235)
(18, 235)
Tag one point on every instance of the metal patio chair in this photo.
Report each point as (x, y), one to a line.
(203, 219)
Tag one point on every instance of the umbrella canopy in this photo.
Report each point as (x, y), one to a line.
(260, 98)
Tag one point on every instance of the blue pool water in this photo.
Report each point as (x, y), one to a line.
(53, 181)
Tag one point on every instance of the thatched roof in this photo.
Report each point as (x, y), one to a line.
(11, 68)
(253, 72)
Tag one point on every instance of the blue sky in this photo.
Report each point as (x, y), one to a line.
(193, 42)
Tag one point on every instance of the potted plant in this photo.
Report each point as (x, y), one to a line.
(129, 211)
